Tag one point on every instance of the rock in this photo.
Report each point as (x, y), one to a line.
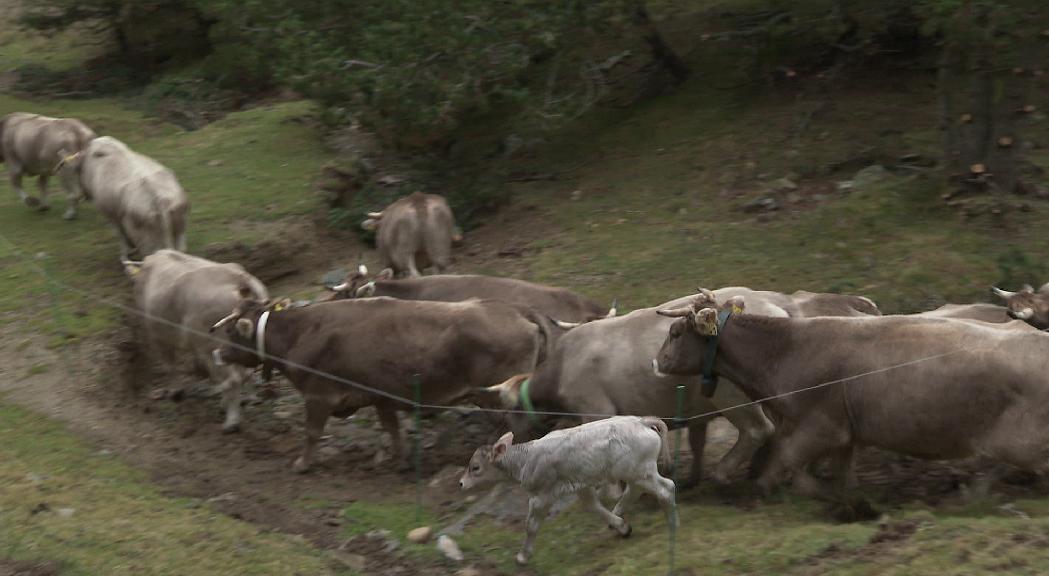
(227, 497)
(328, 452)
(794, 197)
(870, 175)
(214, 163)
(761, 205)
(354, 562)
(282, 414)
(577, 194)
(469, 571)
(65, 512)
(449, 548)
(390, 180)
(783, 185)
(420, 535)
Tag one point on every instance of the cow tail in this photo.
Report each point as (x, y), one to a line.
(3, 120)
(658, 426)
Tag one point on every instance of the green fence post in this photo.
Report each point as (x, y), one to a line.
(679, 419)
(417, 456)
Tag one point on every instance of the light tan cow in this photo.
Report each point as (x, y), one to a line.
(140, 197)
(182, 296)
(37, 145)
(414, 233)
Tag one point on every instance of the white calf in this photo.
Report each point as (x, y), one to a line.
(580, 459)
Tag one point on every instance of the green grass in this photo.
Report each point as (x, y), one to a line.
(121, 524)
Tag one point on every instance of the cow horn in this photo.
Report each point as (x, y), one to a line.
(566, 325)
(375, 215)
(225, 321)
(362, 270)
(675, 312)
(508, 393)
(1002, 293)
(340, 287)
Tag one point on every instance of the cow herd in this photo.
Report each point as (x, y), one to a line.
(815, 376)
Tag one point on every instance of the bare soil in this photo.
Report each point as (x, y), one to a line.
(43, 568)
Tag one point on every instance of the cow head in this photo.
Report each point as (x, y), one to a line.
(683, 350)
(1027, 305)
(483, 468)
(357, 284)
(241, 328)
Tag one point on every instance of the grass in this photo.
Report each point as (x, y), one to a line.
(120, 524)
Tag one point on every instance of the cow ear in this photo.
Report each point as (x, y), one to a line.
(245, 327)
(736, 304)
(706, 322)
(502, 445)
(386, 274)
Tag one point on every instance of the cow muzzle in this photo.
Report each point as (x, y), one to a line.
(1024, 314)
(655, 369)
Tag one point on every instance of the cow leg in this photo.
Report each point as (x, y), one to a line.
(794, 451)
(697, 441)
(663, 489)
(230, 389)
(538, 507)
(73, 193)
(42, 184)
(754, 431)
(589, 498)
(15, 174)
(392, 426)
(630, 496)
(317, 413)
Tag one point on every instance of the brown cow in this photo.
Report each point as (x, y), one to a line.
(1027, 305)
(559, 303)
(414, 233)
(933, 388)
(384, 344)
(37, 145)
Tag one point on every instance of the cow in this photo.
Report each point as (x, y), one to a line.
(1027, 305)
(414, 233)
(928, 387)
(181, 297)
(564, 305)
(140, 197)
(580, 459)
(604, 368)
(37, 145)
(345, 355)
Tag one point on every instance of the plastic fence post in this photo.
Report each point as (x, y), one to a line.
(679, 419)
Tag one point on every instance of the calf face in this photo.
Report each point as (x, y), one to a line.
(481, 471)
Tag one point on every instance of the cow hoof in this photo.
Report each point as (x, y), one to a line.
(521, 558)
(231, 428)
(31, 201)
(625, 530)
(69, 215)
(300, 466)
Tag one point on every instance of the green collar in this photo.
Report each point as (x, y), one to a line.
(526, 400)
(710, 380)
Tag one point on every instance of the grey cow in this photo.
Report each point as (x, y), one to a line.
(414, 233)
(182, 296)
(140, 197)
(580, 459)
(38, 146)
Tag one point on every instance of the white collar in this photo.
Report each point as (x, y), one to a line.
(260, 336)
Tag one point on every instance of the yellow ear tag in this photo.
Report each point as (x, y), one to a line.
(278, 307)
(736, 309)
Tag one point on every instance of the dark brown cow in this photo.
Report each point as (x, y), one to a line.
(558, 303)
(1027, 305)
(383, 343)
(414, 233)
(927, 387)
